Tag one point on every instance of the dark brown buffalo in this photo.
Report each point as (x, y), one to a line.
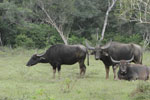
(60, 54)
(118, 51)
(128, 71)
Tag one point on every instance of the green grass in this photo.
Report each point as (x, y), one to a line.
(19, 82)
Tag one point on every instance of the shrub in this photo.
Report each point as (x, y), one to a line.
(76, 40)
(54, 39)
(23, 41)
(142, 92)
(124, 38)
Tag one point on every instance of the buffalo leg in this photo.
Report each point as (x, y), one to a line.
(114, 71)
(107, 72)
(54, 72)
(59, 68)
(82, 68)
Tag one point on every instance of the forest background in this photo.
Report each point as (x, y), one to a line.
(41, 23)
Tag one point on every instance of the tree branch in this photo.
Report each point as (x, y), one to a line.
(52, 22)
(142, 11)
(106, 18)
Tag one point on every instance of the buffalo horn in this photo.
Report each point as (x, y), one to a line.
(106, 46)
(39, 55)
(114, 61)
(88, 46)
(130, 59)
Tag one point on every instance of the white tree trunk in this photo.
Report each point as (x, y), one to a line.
(142, 9)
(146, 38)
(106, 18)
(51, 21)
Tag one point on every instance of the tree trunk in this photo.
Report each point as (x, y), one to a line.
(106, 18)
(146, 38)
(63, 38)
(97, 35)
(1, 43)
(53, 23)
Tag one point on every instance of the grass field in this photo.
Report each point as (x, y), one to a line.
(19, 82)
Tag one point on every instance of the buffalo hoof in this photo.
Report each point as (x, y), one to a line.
(116, 79)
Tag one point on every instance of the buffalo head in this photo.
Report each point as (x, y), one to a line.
(99, 51)
(34, 60)
(123, 64)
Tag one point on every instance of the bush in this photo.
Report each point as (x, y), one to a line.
(142, 92)
(54, 39)
(134, 38)
(124, 38)
(76, 40)
(23, 41)
(39, 34)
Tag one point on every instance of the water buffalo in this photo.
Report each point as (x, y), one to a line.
(60, 54)
(118, 51)
(129, 71)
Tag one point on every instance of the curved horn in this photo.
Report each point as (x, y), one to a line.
(114, 61)
(39, 55)
(107, 45)
(130, 59)
(88, 46)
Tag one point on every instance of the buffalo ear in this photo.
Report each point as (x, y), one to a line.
(116, 66)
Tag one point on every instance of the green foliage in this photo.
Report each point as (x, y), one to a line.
(38, 34)
(78, 19)
(132, 38)
(42, 35)
(67, 85)
(76, 39)
(142, 92)
(23, 41)
(54, 39)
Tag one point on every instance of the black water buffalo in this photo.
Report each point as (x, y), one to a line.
(118, 51)
(60, 54)
(129, 71)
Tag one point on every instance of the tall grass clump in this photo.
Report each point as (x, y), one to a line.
(142, 92)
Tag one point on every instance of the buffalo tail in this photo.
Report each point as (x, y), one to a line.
(87, 58)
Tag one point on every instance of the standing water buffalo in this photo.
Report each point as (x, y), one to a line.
(60, 54)
(118, 51)
(129, 71)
